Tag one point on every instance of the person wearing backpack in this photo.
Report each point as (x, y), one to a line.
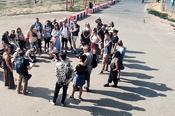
(64, 74)
(88, 64)
(22, 66)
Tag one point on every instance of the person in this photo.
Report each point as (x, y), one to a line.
(47, 34)
(79, 79)
(53, 52)
(115, 39)
(32, 37)
(5, 38)
(23, 74)
(65, 33)
(94, 40)
(105, 52)
(38, 26)
(85, 35)
(75, 32)
(8, 68)
(114, 69)
(63, 78)
(122, 51)
(16, 55)
(56, 33)
(88, 63)
(13, 40)
(30, 55)
(20, 38)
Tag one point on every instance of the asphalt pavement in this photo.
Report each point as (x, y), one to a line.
(147, 84)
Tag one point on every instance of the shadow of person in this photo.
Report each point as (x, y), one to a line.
(134, 61)
(106, 102)
(136, 74)
(41, 92)
(151, 85)
(140, 67)
(142, 91)
(39, 60)
(99, 111)
(120, 95)
(134, 52)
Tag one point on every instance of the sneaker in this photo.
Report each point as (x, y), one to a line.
(87, 89)
(106, 85)
(62, 104)
(71, 97)
(80, 98)
(101, 72)
(114, 86)
(51, 101)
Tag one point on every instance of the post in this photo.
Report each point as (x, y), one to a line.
(66, 5)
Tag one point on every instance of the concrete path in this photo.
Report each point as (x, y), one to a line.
(147, 83)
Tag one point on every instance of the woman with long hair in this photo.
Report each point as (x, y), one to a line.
(8, 68)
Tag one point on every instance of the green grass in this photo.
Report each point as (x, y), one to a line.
(16, 7)
(160, 14)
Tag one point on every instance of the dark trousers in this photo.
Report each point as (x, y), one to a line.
(113, 77)
(57, 89)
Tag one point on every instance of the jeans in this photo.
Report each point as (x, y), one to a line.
(57, 89)
(113, 77)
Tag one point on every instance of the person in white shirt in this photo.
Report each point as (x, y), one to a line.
(65, 33)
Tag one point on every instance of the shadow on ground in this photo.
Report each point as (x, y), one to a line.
(1, 76)
(41, 92)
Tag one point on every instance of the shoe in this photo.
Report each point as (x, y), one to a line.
(62, 104)
(51, 101)
(114, 86)
(118, 79)
(106, 85)
(71, 97)
(87, 89)
(80, 98)
(101, 72)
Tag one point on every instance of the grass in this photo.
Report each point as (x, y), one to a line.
(17, 7)
(160, 14)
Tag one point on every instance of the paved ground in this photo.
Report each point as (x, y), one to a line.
(147, 84)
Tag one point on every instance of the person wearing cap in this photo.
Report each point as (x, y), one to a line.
(75, 31)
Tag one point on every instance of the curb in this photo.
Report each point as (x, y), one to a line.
(80, 15)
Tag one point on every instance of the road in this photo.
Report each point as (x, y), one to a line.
(147, 83)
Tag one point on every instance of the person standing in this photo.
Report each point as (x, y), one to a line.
(79, 79)
(88, 63)
(65, 33)
(8, 68)
(56, 37)
(22, 67)
(75, 32)
(63, 78)
(20, 38)
(47, 35)
(114, 70)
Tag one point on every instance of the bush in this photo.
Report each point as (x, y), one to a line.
(160, 14)
(157, 13)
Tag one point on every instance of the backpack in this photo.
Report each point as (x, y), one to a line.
(94, 61)
(20, 65)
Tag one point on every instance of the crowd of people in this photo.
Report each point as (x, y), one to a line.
(98, 43)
